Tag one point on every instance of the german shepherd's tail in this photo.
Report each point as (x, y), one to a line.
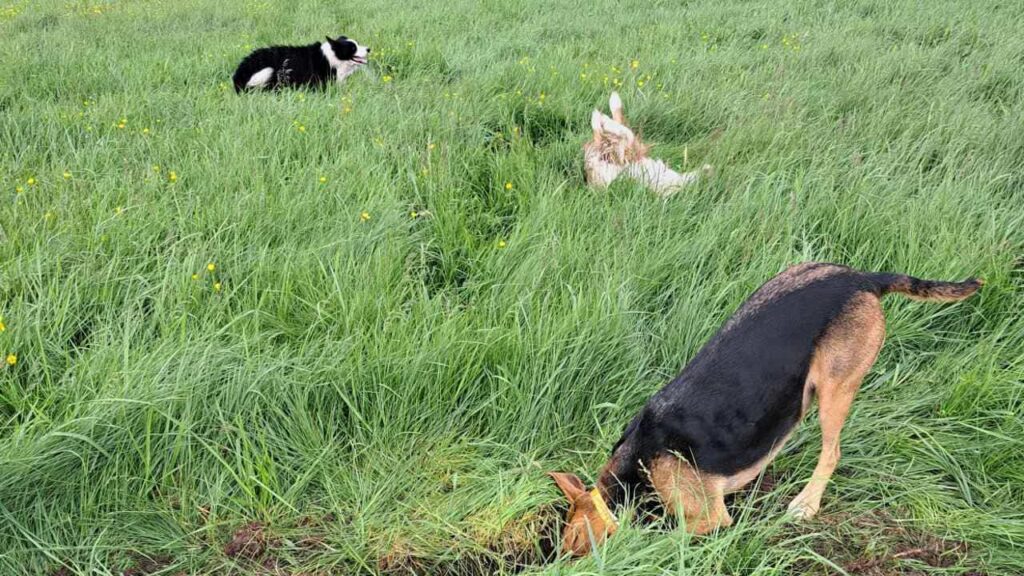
(925, 290)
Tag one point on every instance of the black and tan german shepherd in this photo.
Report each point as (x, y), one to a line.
(813, 331)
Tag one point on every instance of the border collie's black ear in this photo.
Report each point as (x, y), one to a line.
(329, 39)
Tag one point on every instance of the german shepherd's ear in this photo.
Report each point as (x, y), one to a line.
(570, 484)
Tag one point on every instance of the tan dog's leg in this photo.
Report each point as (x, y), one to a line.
(843, 357)
(595, 126)
(615, 105)
(696, 500)
(616, 130)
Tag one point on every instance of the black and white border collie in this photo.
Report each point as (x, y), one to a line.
(312, 65)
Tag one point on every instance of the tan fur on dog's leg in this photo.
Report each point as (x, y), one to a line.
(595, 126)
(616, 129)
(841, 360)
(698, 501)
(615, 105)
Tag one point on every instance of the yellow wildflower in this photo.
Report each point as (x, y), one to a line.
(413, 214)
(31, 181)
(386, 78)
(195, 276)
(501, 244)
(12, 359)
(172, 176)
(323, 179)
(430, 146)
(211, 267)
(508, 185)
(364, 215)
(19, 189)
(67, 175)
(634, 64)
(118, 210)
(216, 286)
(3, 327)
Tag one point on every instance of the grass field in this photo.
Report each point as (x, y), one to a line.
(349, 331)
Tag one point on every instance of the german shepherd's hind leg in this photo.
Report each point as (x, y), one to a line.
(696, 500)
(842, 358)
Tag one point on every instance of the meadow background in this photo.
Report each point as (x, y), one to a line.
(349, 331)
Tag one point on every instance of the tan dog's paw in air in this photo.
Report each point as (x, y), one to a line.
(615, 150)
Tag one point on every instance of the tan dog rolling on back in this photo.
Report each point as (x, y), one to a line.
(614, 150)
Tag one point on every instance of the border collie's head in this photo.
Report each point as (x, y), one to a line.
(348, 50)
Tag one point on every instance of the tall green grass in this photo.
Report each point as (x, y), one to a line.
(416, 307)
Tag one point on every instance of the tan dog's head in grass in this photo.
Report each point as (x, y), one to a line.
(589, 520)
(614, 150)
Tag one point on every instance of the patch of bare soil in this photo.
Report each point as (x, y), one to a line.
(876, 544)
(248, 542)
(146, 565)
(257, 549)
